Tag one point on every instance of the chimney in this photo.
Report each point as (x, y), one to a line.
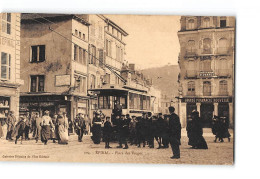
(131, 66)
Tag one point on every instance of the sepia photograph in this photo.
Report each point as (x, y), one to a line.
(94, 88)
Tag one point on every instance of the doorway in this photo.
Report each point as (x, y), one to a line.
(206, 114)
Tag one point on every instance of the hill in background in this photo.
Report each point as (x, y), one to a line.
(164, 78)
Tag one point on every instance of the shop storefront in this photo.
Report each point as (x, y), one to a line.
(207, 107)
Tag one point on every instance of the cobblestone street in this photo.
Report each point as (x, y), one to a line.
(218, 153)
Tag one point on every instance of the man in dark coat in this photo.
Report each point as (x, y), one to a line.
(174, 133)
(132, 131)
(20, 129)
(160, 127)
(11, 120)
(165, 135)
(123, 131)
(139, 131)
(107, 132)
(80, 126)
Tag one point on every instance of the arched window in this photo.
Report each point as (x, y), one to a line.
(191, 88)
(223, 67)
(207, 45)
(223, 88)
(191, 72)
(191, 47)
(206, 88)
(206, 22)
(191, 24)
(223, 45)
(92, 81)
(205, 66)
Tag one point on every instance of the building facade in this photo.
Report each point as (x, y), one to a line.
(10, 81)
(55, 57)
(206, 63)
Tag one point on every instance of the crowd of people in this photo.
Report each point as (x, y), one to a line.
(140, 131)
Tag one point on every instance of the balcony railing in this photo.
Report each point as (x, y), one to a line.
(206, 74)
(191, 73)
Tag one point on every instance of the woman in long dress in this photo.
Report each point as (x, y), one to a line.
(62, 129)
(96, 129)
(46, 125)
(1, 130)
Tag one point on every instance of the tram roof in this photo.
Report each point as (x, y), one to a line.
(120, 89)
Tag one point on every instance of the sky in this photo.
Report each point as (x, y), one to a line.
(152, 39)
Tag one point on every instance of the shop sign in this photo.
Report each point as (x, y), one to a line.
(62, 80)
(207, 100)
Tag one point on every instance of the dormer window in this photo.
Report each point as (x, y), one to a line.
(223, 22)
(191, 24)
(206, 22)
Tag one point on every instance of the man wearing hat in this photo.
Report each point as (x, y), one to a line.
(122, 131)
(174, 133)
(11, 120)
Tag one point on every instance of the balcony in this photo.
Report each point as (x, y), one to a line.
(206, 74)
(223, 50)
(191, 73)
(223, 73)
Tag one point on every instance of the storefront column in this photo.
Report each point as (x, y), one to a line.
(198, 107)
(216, 109)
(231, 115)
(183, 114)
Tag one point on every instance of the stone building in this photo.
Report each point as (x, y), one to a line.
(10, 81)
(206, 63)
(54, 57)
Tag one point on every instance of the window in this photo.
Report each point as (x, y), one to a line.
(92, 81)
(223, 67)
(191, 69)
(191, 48)
(107, 78)
(191, 24)
(223, 88)
(76, 32)
(84, 57)
(84, 38)
(108, 48)
(92, 55)
(104, 102)
(223, 22)
(76, 53)
(122, 55)
(79, 34)
(80, 55)
(38, 53)
(6, 23)
(93, 28)
(223, 46)
(206, 22)
(5, 66)
(100, 32)
(37, 83)
(205, 66)
(81, 84)
(191, 88)
(206, 88)
(206, 46)
(101, 57)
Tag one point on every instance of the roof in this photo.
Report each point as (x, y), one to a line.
(51, 17)
(112, 23)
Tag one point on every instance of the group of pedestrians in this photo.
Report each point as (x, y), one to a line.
(139, 131)
(220, 127)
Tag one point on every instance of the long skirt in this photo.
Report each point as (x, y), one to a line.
(96, 130)
(1, 131)
(63, 135)
(45, 133)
